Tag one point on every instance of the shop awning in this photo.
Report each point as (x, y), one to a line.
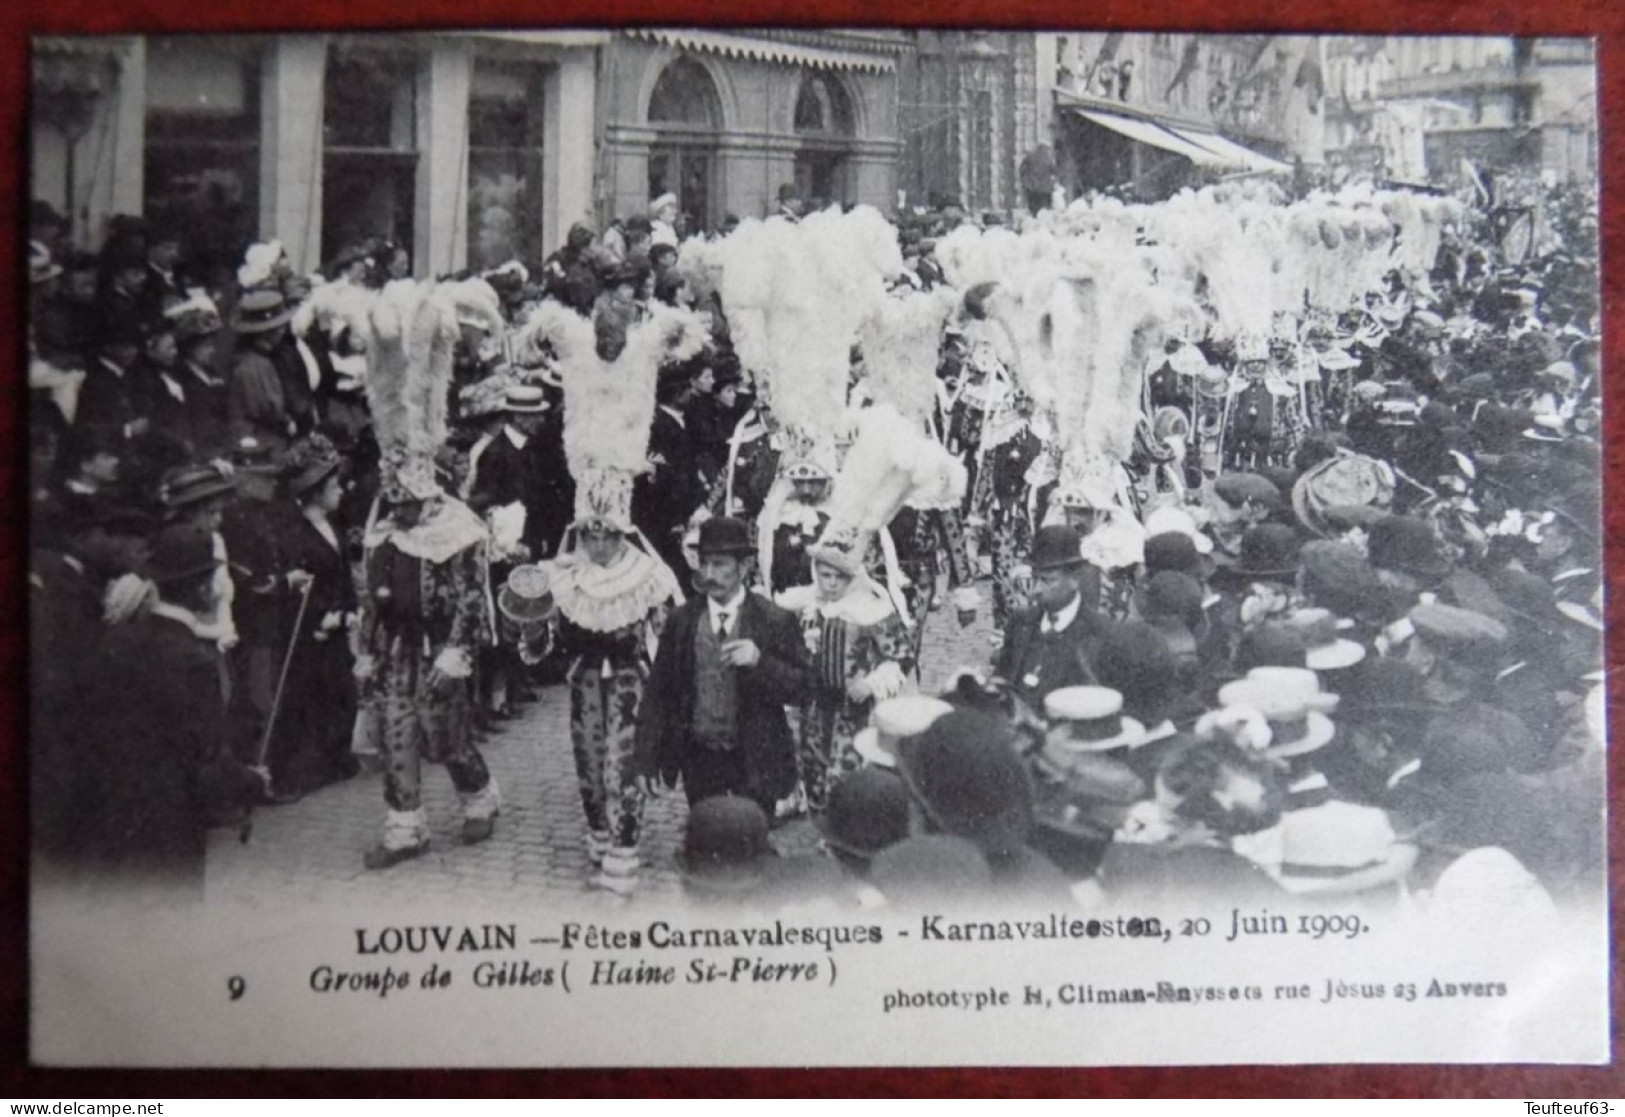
(1153, 135)
(565, 38)
(742, 45)
(1242, 158)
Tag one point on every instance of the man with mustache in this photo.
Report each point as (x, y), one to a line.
(728, 664)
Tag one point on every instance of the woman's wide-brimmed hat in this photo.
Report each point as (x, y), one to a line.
(310, 463)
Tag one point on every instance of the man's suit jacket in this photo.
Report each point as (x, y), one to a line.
(1035, 664)
(782, 677)
(504, 473)
(662, 501)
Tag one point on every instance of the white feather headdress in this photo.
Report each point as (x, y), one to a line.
(610, 405)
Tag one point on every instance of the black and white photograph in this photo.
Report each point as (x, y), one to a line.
(673, 546)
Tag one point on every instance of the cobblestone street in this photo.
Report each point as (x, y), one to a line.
(311, 850)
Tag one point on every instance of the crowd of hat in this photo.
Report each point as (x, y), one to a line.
(1335, 671)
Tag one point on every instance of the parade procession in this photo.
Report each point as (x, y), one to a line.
(1243, 544)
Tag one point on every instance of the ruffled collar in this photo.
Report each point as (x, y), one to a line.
(864, 604)
(609, 598)
(449, 529)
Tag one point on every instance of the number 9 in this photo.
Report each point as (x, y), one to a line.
(236, 986)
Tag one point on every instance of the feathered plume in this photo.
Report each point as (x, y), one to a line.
(795, 296)
(900, 341)
(336, 307)
(610, 405)
(891, 463)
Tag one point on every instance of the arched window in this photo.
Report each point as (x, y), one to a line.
(825, 123)
(684, 94)
(823, 108)
(687, 112)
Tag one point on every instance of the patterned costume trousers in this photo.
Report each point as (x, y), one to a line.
(824, 751)
(603, 729)
(419, 723)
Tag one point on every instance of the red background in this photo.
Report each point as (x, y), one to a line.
(1604, 19)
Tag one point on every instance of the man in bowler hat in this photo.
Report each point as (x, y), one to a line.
(729, 662)
(1051, 644)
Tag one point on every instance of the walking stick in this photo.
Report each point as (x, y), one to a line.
(282, 681)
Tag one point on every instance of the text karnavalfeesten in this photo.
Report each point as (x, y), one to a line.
(661, 934)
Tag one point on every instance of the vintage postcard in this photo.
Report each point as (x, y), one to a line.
(667, 546)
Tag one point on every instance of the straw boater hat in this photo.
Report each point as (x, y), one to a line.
(262, 310)
(1093, 719)
(524, 399)
(1339, 848)
(1169, 519)
(894, 721)
(1291, 702)
(1324, 649)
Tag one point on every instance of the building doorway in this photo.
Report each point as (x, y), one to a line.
(686, 112)
(825, 125)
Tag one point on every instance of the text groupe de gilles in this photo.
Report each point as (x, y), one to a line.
(661, 935)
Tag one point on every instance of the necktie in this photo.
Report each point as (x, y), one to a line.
(722, 624)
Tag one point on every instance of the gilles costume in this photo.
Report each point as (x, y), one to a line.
(610, 615)
(860, 637)
(425, 609)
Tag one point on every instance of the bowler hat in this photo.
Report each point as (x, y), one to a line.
(1055, 546)
(179, 552)
(1408, 545)
(1267, 551)
(1169, 594)
(1474, 739)
(1241, 488)
(868, 811)
(1172, 551)
(725, 535)
(965, 774)
(1383, 684)
(929, 869)
(725, 844)
(1337, 576)
(1136, 659)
